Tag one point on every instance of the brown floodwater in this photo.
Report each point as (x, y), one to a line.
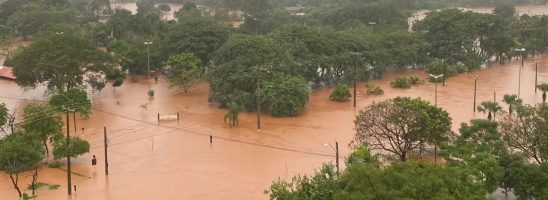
(176, 161)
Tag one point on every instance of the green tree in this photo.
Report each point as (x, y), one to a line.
(320, 186)
(186, 68)
(78, 147)
(74, 100)
(489, 107)
(241, 62)
(201, 36)
(41, 121)
(19, 152)
(512, 101)
(398, 125)
(480, 149)
(61, 62)
(401, 82)
(232, 115)
(164, 8)
(3, 115)
(544, 88)
(285, 96)
(145, 6)
(33, 19)
(407, 180)
(120, 22)
(100, 8)
(526, 131)
(341, 93)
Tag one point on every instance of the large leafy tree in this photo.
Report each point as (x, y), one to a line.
(35, 18)
(59, 61)
(285, 96)
(41, 121)
(480, 149)
(201, 36)
(319, 186)
(399, 125)
(19, 152)
(241, 62)
(185, 70)
(74, 100)
(527, 131)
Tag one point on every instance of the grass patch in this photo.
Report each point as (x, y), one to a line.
(53, 186)
(54, 164)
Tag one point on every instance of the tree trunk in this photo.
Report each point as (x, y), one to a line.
(403, 156)
(74, 119)
(34, 178)
(489, 116)
(45, 142)
(15, 185)
(543, 97)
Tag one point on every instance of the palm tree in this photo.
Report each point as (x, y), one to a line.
(489, 107)
(511, 100)
(544, 88)
(231, 116)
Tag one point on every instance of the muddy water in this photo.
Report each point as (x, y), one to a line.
(176, 160)
(520, 10)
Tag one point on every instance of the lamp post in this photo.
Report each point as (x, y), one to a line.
(519, 76)
(150, 92)
(475, 87)
(536, 74)
(435, 104)
(336, 149)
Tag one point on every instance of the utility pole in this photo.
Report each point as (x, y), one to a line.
(258, 100)
(69, 182)
(519, 76)
(355, 84)
(337, 157)
(536, 74)
(106, 151)
(475, 86)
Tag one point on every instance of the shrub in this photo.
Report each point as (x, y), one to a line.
(340, 94)
(414, 80)
(374, 90)
(54, 164)
(401, 82)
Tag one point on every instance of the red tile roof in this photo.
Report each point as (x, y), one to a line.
(6, 72)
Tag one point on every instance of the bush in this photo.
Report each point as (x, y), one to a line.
(414, 80)
(340, 94)
(374, 90)
(54, 164)
(401, 82)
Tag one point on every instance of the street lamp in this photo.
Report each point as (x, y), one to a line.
(519, 76)
(475, 87)
(336, 149)
(435, 104)
(536, 73)
(150, 91)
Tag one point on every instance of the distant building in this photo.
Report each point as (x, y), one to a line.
(6, 73)
(296, 10)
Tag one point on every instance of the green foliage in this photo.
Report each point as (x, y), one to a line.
(61, 62)
(240, 62)
(186, 68)
(490, 108)
(32, 19)
(401, 82)
(544, 88)
(407, 180)
(374, 90)
(232, 115)
(320, 186)
(285, 96)
(54, 164)
(36, 186)
(200, 36)
(479, 148)
(340, 94)
(41, 121)
(526, 131)
(19, 152)
(403, 123)
(53, 186)
(512, 101)
(3, 114)
(414, 80)
(78, 147)
(73, 100)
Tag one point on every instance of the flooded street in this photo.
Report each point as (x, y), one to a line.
(176, 161)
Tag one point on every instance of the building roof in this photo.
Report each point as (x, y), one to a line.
(7, 73)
